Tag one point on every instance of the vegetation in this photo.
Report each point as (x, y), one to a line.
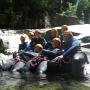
(71, 10)
(20, 14)
(83, 10)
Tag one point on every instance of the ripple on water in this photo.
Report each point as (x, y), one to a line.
(7, 79)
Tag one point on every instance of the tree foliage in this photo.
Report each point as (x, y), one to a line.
(85, 4)
(83, 10)
(31, 13)
(71, 10)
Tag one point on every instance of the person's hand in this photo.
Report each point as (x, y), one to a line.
(58, 58)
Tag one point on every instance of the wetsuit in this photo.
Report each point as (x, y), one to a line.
(23, 46)
(32, 44)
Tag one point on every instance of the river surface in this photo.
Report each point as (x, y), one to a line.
(12, 37)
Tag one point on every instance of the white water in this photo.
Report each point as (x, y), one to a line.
(14, 41)
(83, 29)
(12, 38)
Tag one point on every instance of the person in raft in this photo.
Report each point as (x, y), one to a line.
(57, 50)
(23, 44)
(59, 63)
(53, 34)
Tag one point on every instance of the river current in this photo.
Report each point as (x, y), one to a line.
(12, 37)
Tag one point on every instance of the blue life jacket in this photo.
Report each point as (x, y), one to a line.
(52, 54)
(23, 46)
(32, 44)
(71, 48)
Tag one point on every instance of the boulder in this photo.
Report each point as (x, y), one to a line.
(3, 46)
(59, 20)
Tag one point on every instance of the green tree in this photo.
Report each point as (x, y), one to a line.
(71, 10)
(83, 10)
(31, 9)
(31, 13)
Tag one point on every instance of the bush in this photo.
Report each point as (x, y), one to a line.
(71, 10)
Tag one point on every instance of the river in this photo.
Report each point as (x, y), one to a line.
(13, 38)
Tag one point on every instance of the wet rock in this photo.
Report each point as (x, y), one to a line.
(3, 46)
(86, 39)
(60, 20)
(75, 34)
(86, 46)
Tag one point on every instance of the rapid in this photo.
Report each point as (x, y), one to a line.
(11, 37)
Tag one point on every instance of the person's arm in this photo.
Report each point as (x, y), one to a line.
(72, 49)
(43, 41)
(49, 53)
(30, 46)
(23, 46)
(69, 52)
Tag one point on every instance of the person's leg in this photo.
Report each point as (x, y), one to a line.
(50, 68)
(79, 60)
(41, 73)
(41, 69)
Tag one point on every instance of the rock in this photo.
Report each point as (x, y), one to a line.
(86, 39)
(3, 46)
(60, 20)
